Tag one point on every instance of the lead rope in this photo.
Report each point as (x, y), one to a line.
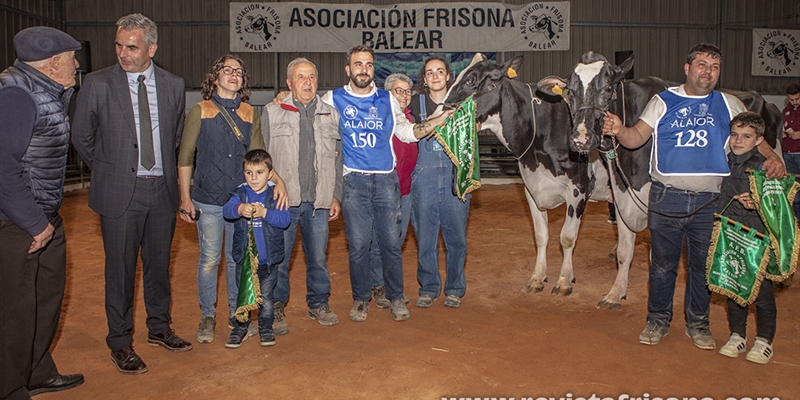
(533, 115)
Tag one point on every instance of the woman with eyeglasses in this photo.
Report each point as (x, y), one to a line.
(399, 85)
(435, 207)
(218, 132)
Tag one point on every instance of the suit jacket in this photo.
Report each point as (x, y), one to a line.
(104, 134)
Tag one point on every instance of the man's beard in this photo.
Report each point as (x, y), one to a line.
(360, 84)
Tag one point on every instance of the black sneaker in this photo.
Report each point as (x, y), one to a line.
(238, 335)
(267, 339)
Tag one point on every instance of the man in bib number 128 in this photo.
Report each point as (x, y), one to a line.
(690, 128)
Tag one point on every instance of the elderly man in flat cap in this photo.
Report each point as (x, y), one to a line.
(34, 140)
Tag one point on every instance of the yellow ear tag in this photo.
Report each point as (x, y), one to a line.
(511, 73)
(557, 90)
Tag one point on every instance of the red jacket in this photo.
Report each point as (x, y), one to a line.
(406, 154)
(791, 119)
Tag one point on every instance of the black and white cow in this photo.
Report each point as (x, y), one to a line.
(596, 86)
(535, 129)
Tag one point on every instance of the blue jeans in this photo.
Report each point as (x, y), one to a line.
(667, 234)
(793, 167)
(376, 271)
(435, 208)
(314, 232)
(372, 202)
(210, 229)
(267, 277)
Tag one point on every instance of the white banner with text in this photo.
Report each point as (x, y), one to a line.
(417, 27)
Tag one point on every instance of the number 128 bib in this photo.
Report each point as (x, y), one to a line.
(691, 136)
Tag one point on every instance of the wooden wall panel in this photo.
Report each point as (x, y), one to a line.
(660, 32)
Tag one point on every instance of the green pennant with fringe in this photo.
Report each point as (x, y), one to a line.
(737, 259)
(773, 199)
(459, 138)
(249, 286)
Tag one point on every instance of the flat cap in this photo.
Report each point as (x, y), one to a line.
(41, 42)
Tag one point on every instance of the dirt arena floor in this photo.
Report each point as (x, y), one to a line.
(500, 343)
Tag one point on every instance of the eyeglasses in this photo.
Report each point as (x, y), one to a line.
(401, 91)
(231, 71)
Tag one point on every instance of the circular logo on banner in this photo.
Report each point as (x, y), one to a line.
(542, 25)
(734, 264)
(778, 53)
(258, 27)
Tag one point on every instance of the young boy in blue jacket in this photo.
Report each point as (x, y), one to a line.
(253, 201)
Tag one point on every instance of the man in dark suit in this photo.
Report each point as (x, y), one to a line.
(127, 126)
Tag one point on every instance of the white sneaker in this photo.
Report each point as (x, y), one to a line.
(761, 352)
(736, 345)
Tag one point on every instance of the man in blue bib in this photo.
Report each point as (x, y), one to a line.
(370, 192)
(690, 128)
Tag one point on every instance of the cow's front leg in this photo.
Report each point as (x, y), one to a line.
(541, 235)
(625, 245)
(569, 235)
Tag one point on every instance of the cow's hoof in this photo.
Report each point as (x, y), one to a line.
(561, 291)
(533, 287)
(608, 305)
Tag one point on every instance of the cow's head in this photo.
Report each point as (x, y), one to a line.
(480, 77)
(260, 25)
(590, 89)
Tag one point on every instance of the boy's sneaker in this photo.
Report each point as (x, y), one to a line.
(452, 301)
(359, 311)
(399, 310)
(761, 352)
(323, 315)
(652, 333)
(736, 345)
(379, 296)
(252, 329)
(238, 335)
(702, 338)
(267, 339)
(425, 301)
(279, 325)
(205, 332)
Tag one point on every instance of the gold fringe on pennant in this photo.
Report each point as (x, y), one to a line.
(796, 250)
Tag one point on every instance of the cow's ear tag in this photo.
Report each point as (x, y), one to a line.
(557, 90)
(511, 73)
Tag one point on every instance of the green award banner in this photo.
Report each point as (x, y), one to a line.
(736, 261)
(249, 286)
(459, 138)
(773, 199)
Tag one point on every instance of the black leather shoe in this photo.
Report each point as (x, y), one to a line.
(168, 340)
(128, 362)
(57, 383)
